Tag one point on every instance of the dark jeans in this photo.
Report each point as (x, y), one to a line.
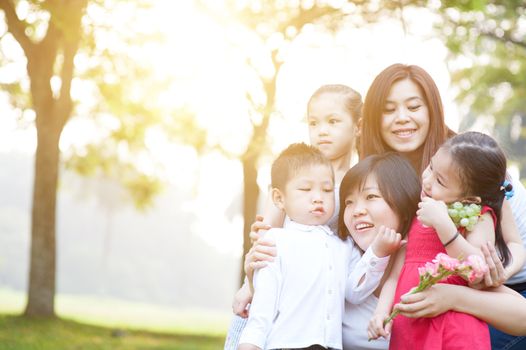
(503, 341)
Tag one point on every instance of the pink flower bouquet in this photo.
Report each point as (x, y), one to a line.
(442, 266)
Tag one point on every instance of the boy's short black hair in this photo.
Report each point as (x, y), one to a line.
(290, 161)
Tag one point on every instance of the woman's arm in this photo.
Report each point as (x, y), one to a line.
(263, 250)
(501, 307)
(376, 327)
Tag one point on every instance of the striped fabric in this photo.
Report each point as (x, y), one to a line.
(234, 332)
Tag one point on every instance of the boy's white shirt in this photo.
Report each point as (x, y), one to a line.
(299, 297)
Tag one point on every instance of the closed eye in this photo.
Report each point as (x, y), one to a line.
(372, 196)
(306, 189)
(414, 108)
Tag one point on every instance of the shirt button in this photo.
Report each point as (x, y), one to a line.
(326, 245)
(328, 317)
(330, 267)
(373, 263)
(330, 291)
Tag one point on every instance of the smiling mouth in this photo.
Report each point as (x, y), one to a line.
(324, 143)
(404, 132)
(363, 226)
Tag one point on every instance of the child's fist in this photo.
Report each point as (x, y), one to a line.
(386, 242)
(376, 328)
(431, 212)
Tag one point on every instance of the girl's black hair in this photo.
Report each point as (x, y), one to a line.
(481, 166)
(397, 181)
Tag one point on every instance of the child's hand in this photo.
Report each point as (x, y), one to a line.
(386, 242)
(432, 213)
(241, 300)
(376, 327)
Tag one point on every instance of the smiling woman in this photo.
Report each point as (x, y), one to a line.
(401, 106)
(405, 121)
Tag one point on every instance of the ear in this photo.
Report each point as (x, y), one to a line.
(278, 198)
(472, 199)
(358, 131)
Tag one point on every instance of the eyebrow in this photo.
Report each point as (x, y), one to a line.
(407, 100)
(332, 115)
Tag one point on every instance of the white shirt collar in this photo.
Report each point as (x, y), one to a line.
(306, 228)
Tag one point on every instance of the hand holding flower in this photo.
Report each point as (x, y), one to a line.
(471, 269)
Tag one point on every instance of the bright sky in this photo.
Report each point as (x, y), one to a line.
(210, 75)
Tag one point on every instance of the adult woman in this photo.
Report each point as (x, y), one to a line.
(403, 112)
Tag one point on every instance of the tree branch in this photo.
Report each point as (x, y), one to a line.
(16, 27)
(506, 38)
(70, 47)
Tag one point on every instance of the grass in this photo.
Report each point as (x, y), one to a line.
(19, 333)
(86, 323)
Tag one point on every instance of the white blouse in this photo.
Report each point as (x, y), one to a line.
(360, 302)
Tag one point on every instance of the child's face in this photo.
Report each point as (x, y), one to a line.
(331, 128)
(405, 120)
(309, 196)
(440, 180)
(365, 211)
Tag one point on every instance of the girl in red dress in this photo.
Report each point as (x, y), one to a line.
(468, 166)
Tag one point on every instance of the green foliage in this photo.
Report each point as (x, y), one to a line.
(489, 38)
(18, 333)
(143, 188)
(120, 88)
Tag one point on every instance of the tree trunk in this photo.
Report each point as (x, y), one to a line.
(62, 37)
(250, 158)
(41, 291)
(250, 202)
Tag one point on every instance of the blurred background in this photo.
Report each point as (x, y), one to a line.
(136, 136)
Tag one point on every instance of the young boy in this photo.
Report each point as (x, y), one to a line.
(299, 297)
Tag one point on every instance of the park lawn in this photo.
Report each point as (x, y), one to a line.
(19, 333)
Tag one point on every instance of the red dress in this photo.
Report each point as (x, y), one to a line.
(448, 331)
